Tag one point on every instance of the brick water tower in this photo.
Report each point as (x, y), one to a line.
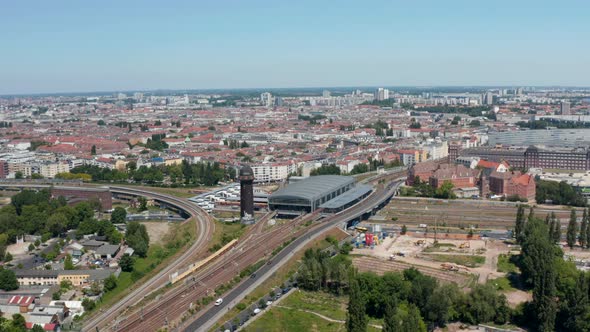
(247, 194)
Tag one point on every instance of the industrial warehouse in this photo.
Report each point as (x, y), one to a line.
(332, 193)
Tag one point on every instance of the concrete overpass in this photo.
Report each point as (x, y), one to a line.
(179, 205)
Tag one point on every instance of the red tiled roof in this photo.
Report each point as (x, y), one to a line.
(488, 164)
(522, 180)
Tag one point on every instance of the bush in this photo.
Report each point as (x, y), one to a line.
(56, 296)
(110, 283)
(88, 304)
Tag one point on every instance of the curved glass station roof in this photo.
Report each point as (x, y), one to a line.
(312, 188)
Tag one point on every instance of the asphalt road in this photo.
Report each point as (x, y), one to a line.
(209, 317)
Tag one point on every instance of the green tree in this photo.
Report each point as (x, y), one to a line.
(68, 264)
(88, 304)
(18, 175)
(538, 258)
(101, 122)
(142, 203)
(326, 170)
(576, 307)
(556, 228)
(588, 232)
(389, 321)
(356, 319)
(18, 321)
(56, 296)
(126, 263)
(56, 224)
(440, 307)
(572, 230)
(583, 229)
(484, 304)
(37, 328)
(137, 238)
(445, 191)
(408, 319)
(7, 257)
(110, 283)
(404, 230)
(519, 225)
(531, 214)
(8, 280)
(93, 150)
(119, 215)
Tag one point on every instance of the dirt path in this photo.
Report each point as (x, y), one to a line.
(490, 268)
(325, 317)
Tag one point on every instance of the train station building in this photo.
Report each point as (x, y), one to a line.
(331, 192)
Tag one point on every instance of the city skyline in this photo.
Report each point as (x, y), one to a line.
(63, 47)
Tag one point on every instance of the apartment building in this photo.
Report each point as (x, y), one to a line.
(271, 172)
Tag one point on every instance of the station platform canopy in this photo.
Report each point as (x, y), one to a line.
(347, 199)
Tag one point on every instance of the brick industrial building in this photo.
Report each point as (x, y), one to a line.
(489, 177)
(535, 156)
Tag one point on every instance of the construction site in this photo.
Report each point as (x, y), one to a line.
(460, 241)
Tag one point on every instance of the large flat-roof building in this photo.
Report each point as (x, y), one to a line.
(308, 194)
(550, 138)
(535, 156)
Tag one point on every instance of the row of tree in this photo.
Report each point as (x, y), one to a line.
(18, 324)
(206, 174)
(407, 301)
(560, 291)
(423, 189)
(36, 213)
(558, 193)
(577, 233)
(136, 236)
(235, 144)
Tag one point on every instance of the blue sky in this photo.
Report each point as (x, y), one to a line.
(63, 46)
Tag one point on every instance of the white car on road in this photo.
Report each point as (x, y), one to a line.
(219, 301)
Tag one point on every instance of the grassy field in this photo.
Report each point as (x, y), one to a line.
(291, 320)
(465, 260)
(224, 233)
(501, 284)
(291, 314)
(444, 247)
(277, 279)
(505, 265)
(323, 303)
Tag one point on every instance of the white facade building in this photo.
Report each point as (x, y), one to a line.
(273, 171)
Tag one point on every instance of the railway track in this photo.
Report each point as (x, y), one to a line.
(379, 266)
(171, 308)
(250, 249)
(212, 313)
(205, 228)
